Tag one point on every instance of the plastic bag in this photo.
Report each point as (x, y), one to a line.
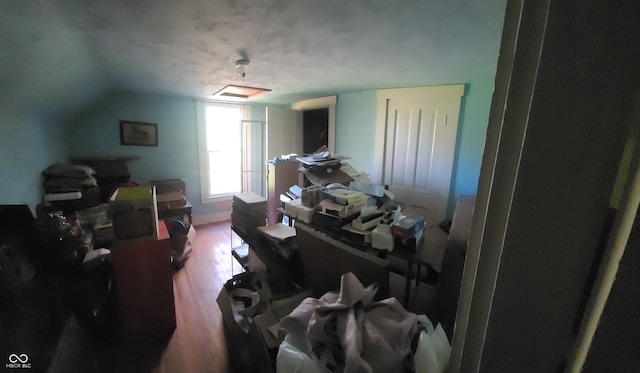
(295, 355)
(291, 357)
(434, 350)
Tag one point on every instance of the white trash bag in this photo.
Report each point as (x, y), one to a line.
(434, 350)
(294, 357)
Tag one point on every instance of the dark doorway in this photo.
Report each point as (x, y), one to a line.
(315, 129)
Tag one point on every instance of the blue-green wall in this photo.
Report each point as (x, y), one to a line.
(27, 147)
(356, 129)
(474, 117)
(96, 133)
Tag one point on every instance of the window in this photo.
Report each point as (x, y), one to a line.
(219, 129)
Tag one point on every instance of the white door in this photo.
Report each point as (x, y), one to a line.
(419, 129)
(284, 131)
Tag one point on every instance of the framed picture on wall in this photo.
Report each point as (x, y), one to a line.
(138, 133)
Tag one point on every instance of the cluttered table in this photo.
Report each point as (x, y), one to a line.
(426, 252)
(342, 203)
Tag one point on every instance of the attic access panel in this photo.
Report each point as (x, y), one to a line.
(239, 93)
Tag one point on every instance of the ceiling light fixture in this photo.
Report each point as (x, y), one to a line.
(241, 66)
(237, 92)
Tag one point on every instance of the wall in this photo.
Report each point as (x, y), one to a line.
(356, 122)
(258, 112)
(96, 133)
(28, 146)
(474, 117)
(355, 129)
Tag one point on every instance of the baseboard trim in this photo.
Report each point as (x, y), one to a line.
(211, 218)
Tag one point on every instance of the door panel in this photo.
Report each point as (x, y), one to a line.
(418, 155)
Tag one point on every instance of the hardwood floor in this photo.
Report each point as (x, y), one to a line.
(197, 344)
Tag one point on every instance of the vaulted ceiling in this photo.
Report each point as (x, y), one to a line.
(58, 55)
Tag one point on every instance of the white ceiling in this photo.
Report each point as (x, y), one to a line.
(68, 52)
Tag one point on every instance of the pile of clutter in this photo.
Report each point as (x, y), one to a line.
(70, 187)
(73, 191)
(344, 200)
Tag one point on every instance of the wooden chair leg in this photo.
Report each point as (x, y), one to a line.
(407, 287)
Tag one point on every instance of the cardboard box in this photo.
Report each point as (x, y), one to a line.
(236, 337)
(346, 197)
(134, 212)
(291, 208)
(336, 209)
(181, 246)
(305, 214)
(172, 204)
(97, 215)
(263, 341)
(170, 196)
(169, 185)
(368, 222)
(331, 221)
(356, 235)
(408, 226)
(381, 237)
(250, 345)
(370, 189)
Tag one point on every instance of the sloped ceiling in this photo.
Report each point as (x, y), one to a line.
(58, 55)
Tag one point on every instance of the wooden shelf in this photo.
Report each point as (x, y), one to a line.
(241, 254)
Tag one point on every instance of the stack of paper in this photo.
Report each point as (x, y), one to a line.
(248, 211)
(280, 232)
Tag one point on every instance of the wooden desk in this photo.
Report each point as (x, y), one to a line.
(325, 259)
(428, 252)
(144, 284)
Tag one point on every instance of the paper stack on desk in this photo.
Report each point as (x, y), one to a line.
(291, 208)
(346, 197)
(342, 202)
(280, 232)
(282, 238)
(381, 237)
(368, 221)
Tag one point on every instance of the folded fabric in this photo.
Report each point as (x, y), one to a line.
(63, 184)
(362, 335)
(71, 171)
